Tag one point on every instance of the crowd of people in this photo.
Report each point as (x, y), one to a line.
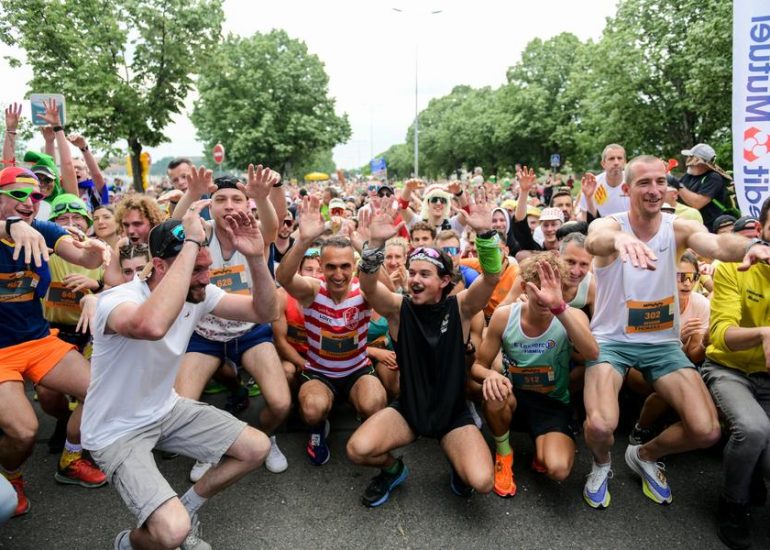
(433, 308)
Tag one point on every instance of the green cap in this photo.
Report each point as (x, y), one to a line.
(68, 203)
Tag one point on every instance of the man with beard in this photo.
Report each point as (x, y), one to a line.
(704, 186)
(337, 317)
(636, 323)
(141, 330)
(603, 195)
(284, 241)
(429, 330)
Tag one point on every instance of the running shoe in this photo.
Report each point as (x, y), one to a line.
(505, 485)
(237, 401)
(122, 541)
(596, 491)
(81, 472)
(654, 483)
(198, 470)
(734, 524)
(640, 436)
(194, 540)
(276, 461)
(22, 506)
(538, 466)
(378, 491)
(254, 389)
(317, 449)
(458, 486)
(213, 387)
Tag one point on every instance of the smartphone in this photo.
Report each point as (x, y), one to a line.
(36, 103)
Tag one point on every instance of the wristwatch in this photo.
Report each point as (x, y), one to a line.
(487, 234)
(9, 221)
(751, 243)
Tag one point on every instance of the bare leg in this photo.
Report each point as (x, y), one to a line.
(602, 385)
(371, 443)
(262, 363)
(368, 396)
(468, 452)
(556, 451)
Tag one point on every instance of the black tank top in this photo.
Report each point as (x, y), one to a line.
(431, 358)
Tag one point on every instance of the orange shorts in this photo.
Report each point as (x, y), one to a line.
(33, 359)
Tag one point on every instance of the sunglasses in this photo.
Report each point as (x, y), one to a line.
(312, 253)
(73, 207)
(23, 194)
(692, 277)
(384, 193)
(175, 242)
(427, 251)
(451, 250)
(288, 223)
(434, 200)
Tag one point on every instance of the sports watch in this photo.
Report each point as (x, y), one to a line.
(9, 221)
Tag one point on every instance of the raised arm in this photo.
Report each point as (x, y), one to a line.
(727, 247)
(587, 189)
(258, 187)
(12, 117)
(406, 196)
(527, 179)
(68, 178)
(152, 319)
(201, 182)
(93, 167)
(311, 226)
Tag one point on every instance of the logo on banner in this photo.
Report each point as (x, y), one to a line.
(756, 144)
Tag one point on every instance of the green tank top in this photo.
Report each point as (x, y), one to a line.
(539, 364)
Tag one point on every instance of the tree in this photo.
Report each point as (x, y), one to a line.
(124, 66)
(265, 98)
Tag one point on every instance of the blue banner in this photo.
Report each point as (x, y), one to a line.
(378, 165)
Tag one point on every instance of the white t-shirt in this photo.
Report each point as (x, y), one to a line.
(132, 381)
(608, 200)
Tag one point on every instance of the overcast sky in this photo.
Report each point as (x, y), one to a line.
(369, 53)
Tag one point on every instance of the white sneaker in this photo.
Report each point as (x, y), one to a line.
(654, 484)
(596, 491)
(193, 540)
(275, 462)
(122, 541)
(198, 469)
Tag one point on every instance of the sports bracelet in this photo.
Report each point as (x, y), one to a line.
(560, 309)
(200, 244)
(371, 260)
(58, 129)
(403, 204)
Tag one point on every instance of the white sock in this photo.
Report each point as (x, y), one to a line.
(605, 466)
(72, 447)
(192, 501)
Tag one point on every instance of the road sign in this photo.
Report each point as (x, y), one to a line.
(555, 160)
(219, 153)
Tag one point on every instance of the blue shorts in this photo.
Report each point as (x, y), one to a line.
(654, 361)
(232, 349)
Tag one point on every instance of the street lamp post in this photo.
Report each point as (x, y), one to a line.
(416, 97)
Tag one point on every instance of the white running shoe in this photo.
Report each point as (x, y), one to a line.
(275, 462)
(198, 469)
(194, 540)
(596, 491)
(122, 541)
(654, 484)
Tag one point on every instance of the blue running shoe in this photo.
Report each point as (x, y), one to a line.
(317, 449)
(654, 483)
(596, 491)
(458, 486)
(378, 491)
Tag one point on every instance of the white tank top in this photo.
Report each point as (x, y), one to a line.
(581, 296)
(232, 276)
(638, 305)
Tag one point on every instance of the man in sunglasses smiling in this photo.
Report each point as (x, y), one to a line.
(28, 347)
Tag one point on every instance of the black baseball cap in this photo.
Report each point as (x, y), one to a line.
(745, 222)
(166, 239)
(722, 221)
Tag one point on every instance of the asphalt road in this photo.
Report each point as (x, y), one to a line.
(319, 507)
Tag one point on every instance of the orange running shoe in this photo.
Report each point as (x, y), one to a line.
(81, 472)
(505, 485)
(23, 505)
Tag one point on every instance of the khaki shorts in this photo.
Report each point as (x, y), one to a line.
(191, 428)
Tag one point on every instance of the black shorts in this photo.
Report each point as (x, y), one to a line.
(340, 387)
(537, 414)
(68, 334)
(463, 418)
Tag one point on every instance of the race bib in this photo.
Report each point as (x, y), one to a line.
(650, 316)
(18, 287)
(536, 378)
(338, 345)
(59, 296)
(231, 279)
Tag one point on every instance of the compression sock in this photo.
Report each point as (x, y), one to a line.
(192, 501)
(393, 468)
(70, 454)
(503, 444)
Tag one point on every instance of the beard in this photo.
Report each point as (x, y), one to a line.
(195, 295)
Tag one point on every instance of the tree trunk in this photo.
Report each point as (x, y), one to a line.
(136, 164)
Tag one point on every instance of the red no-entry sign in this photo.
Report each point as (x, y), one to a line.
(219, 153)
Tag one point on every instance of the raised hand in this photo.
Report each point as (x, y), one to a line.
(480, 217)
(193, 223)
(243, 230)
(170, 196)
(201, 181)
(588, 185)
(527, 179)
(549, 293)
(12, 117)
(78, 141)
(48, 134)
(454, 187)
(381, 221)
(414, 184)
(260, 182)
(311, 222)
(52, 117)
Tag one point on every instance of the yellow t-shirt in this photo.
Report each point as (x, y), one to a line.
(741, 299)
(60, 304)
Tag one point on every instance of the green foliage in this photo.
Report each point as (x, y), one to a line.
(265, 98)
(657, 82)
(124, 66)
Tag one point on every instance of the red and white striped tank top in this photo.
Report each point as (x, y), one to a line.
(336, 333)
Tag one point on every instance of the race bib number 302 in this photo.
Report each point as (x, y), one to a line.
(650, 316)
